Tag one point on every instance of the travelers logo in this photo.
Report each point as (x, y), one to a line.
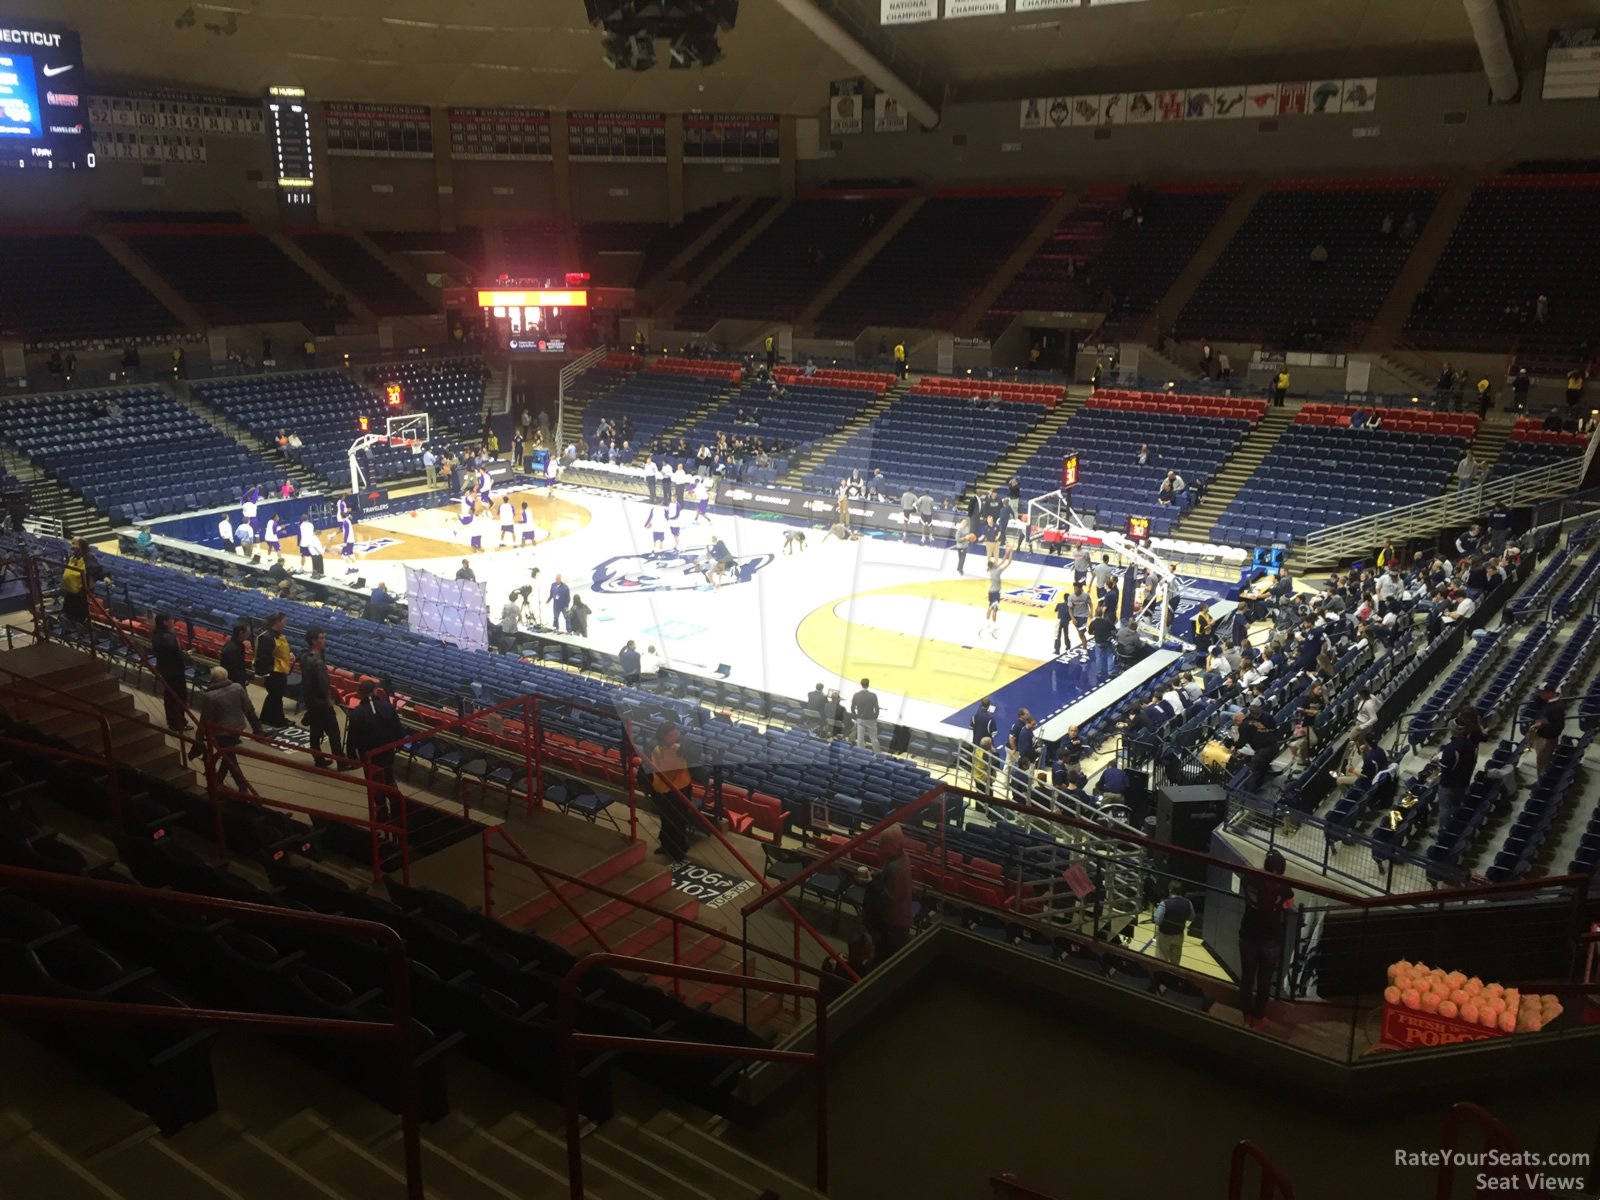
(672, 571)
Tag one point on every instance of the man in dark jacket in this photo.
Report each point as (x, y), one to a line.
(373, 725)
(628, 660)
(224, 708)
(983, 723)
(316, 690)
(1261, 934)
(233, 651)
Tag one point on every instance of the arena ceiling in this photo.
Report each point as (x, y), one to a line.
(544, 53)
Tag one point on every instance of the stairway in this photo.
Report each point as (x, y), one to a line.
(152, 281)
(324, 278)
(1392, 314)
(853, 265)
(1183, 287)
(818, 451)
(135, 741)
(1490, 441)
(304, 480)
(402, 267)
(668, 313)
(1418, 383)
(53, 500)
(1020, 257)
(1028, 445)
(1159, 364)
(496, 397)
(1224, 486)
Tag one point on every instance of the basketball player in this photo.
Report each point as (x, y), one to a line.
(469, 507)
(347, 539)
(485, 490)
(270, 537)
(656, 522)
(252, 497)
(308, 534)
(674, 512)
(530, 535)
(719, 561)
(508, 522)
(794, 539)
(997, 566)
(704, 491)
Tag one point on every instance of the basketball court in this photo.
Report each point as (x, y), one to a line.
(836, 612)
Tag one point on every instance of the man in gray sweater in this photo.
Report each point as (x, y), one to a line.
(225, 708)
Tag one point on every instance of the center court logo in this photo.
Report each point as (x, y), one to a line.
(672, 572)
(1038, 595)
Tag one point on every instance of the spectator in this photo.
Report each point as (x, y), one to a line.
(233, 652)
(578, 617)
(322, 719)
(465, 572)
(373, 725)
(1114, 785)
(670, 789)
(652, 665)
(1544, 733)
(983, 757)
(1466, 471)
(630, 662)
(816, 708)
(225, 533)
(273, 659)
(1280, 387)
(172, 668)
(864, 708)
(1171, 488)
(983, 723)
(1485, 396)
(1021, 742)
(380, 604)
(76, 583)
(1102, 649)
(1261, 935)
(1458, 761)
(1172, 918)
(886, 909)
(225, 709)
(1143, 456)
(1519, 389)
(1367, 711)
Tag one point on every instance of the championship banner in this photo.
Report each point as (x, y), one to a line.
(955, 9)
(360, 130)
(506, 134)
(907, 12)
(887, 115)
(1572, 65)
(1027, 6)
(845, 100)
(597, 136)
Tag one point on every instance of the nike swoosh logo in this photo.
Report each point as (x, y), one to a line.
(52, 72)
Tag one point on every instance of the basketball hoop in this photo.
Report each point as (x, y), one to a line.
(411, 430)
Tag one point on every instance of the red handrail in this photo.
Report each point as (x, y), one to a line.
(397, 1030)
(1496, 1138)
(679, 921)
(1272, 1185)
(1007, 1187)
(570, 1038)
(768, 891)
(99, 607)
(73, 704)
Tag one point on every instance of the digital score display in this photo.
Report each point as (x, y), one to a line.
(1069, 471)
(1138, 529)
(533, 298)
(44, 116)
(291, 144)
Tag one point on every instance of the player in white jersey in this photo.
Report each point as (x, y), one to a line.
(530, 535)
(508, 522)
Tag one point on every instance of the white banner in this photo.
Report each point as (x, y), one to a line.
(1086, 110)
(1197, 104)
(1327, 95)
(1024, 6)
(845, 102)
(1231, 102)
(887, 115)
(1032, 113)
(1141, 108)
(954, 9)
(1227, 104)
(1114, 108)
(1261, 100)
(909, 12)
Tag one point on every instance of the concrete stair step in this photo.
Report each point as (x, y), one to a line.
(340, 1161)
(147, 1167)
(33, 1165)
(690, 1150)
(529, 1156)
(244, 1162)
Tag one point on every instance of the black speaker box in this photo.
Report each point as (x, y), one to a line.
(1185, 816)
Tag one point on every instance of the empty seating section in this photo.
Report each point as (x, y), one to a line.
(63, 289)
(1521, 236)
(1143, 261)
(1265, 286)
(737, 228)
(323, 408)
(369, 281)
(1044, 282)
(1530, 446)
(1321, 472)
(1193, 438)
(147, 456)
(931, 439)
(465, 245)
(450, 391)
(669, 241)
(532, 249)
(788, 262)
(233, 278)
(929, 271)
(657, 399)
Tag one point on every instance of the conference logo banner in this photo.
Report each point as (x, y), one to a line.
(1232, 102)
(887, 115)
(908, 12)
(1027, 6)
(955, 9)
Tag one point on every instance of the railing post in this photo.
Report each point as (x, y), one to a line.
(372, 820)
(406, 1071)
(821, 1035)
(530, 714)
(677, 961)
(213, 786)
(488, 871)
(538, 755)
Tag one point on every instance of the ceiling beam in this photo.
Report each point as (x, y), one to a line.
(1494, 47)
(838, 39)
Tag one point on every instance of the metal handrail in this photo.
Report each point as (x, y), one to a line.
(397, 1030)
(520, 855)
(1496, 1137)
(1454, 506)
(569, 1039)
(759, 876)
(81, 707)
(1273, 1184)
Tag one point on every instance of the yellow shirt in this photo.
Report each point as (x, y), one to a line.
(899, 352)
(1283, 380)
(281, 656)
(75, 575)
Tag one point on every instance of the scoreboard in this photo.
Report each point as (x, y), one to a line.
(168, 126)
(1069, 472)
(44, 118)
